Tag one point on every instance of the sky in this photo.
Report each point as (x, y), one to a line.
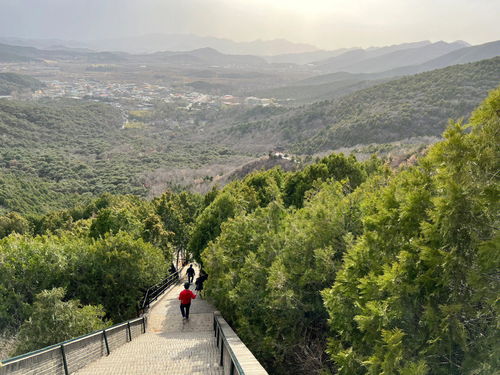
(327, 24)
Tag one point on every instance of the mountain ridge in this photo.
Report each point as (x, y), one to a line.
(411, 106)
(373, 61)
(186, 42)
(330, 85)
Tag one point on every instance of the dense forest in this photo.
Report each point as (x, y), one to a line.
(341, 267)
(78, 149)
(12, 83)
(86, 266)
(355, 269)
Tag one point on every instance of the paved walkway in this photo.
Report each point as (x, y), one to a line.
(170, 346)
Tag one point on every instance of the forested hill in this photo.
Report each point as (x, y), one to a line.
(12, 82)
(63, 150)
(418, 105)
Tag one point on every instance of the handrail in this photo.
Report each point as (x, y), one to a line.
(234, 360)
(73, 340)
(153, 292)
(251, 366)
(66, 343)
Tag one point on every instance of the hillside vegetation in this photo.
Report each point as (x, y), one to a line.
(75, 150)
(413, 106)
(365, 69)
(306, 93)
(76, 270)
(12, 82)
(79, 148)
(349, 268)
(341, 267)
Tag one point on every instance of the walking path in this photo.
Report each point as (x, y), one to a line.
(169, 346)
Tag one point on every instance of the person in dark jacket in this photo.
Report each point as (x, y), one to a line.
(190, 273)
(185, 297)
(199, 282)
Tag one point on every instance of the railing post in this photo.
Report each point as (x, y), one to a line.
(143, 324)
(129, 331)
(65, 364)
(106, 341)
(221, 352)
(217, 334)
(231, 370)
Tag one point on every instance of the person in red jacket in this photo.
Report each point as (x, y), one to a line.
(185, 297)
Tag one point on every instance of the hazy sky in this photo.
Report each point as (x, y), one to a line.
(325, 23)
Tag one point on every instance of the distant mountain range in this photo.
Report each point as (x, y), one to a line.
(382, 59)
(10, 53)
(321, 56)
(410, 58)
(203, 57)
(171, 42)
(43, 43)
(187, 42)
(459, 56)
(352, 70)
(332, 85)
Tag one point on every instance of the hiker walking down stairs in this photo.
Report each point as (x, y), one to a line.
(185, 297)
(190, 273)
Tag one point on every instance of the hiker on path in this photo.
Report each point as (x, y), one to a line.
(190, 273)
(199, 282)
(185, 297)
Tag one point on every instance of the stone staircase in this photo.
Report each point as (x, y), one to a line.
(170, 345)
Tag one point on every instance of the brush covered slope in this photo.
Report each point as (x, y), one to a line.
(76, 149)
(413, 106)
(13, 82)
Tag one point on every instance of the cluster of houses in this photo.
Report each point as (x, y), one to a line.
(144, 93)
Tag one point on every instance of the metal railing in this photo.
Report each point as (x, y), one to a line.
(69, 356)
(156, 290)
(228, 341)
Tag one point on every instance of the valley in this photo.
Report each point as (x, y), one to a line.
(82, 123)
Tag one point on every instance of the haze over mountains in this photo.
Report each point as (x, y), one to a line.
(347, 70)
(192, 50)
(381, 59)
(172, 42)
(187, 42)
